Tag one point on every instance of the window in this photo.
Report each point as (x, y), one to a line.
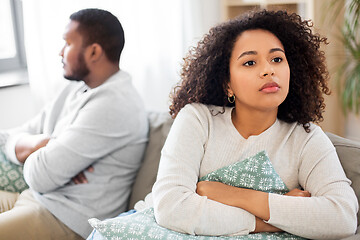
(12, 52)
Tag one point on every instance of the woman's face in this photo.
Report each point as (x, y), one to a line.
(259, 71)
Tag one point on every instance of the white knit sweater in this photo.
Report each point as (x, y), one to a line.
(203, 139)
(105, 127)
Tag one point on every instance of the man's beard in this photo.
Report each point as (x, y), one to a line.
(80, 72)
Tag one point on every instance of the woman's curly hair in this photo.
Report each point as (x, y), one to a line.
(205, 72)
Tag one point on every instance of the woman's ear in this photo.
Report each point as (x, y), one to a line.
(229, 91)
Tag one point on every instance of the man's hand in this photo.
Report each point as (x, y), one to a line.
(29, 144)
(81, 178)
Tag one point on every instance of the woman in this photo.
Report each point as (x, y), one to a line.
(253, 84)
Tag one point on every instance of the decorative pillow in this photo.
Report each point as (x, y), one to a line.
(255, 172)
(142, 225)
(11, 175)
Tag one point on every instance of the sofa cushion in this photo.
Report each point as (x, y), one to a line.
(11, 176)
(160, 123)
(349, 155)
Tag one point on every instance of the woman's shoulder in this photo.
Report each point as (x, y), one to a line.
(204, 111)
(297, 133)
(314, 130)
(200, 107)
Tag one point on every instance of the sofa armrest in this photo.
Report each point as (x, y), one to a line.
(349, 155)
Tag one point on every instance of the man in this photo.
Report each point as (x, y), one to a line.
(97, 122)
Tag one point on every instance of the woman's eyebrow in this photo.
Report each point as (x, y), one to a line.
(255, 52)
(247, 53)
(276, 49)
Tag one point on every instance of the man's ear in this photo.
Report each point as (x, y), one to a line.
(95, 52)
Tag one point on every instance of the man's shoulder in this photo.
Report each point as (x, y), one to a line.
(117, 96)
(119, 78)
(118, 86)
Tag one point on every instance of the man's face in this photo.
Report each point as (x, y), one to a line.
(73, 54)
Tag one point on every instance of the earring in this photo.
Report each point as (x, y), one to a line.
(231, 99)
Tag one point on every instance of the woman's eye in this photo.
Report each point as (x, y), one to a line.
(249, 63)
(277, 59)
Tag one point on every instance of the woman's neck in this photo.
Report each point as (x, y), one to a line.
(252, 122)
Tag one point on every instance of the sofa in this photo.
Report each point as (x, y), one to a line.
(160, 123)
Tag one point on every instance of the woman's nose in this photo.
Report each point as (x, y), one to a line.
(267, 70)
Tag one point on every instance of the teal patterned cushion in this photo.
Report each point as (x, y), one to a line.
(11, 175)
(255, 172)
(142, 225)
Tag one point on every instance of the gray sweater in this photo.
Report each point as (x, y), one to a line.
(202, 139)
(105, 127)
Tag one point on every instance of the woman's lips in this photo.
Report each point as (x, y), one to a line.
(271, 87)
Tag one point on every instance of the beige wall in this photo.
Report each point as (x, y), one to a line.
(327, 25)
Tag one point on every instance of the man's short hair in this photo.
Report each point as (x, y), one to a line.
(102, 27)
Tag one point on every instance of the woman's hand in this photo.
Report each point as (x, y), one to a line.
(298, 193)
(217, 191)
(229, 195)
(262, 226)
(255, 202)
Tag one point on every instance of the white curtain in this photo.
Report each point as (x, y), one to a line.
(158, 33)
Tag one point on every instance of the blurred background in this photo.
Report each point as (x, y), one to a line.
(158, 34)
